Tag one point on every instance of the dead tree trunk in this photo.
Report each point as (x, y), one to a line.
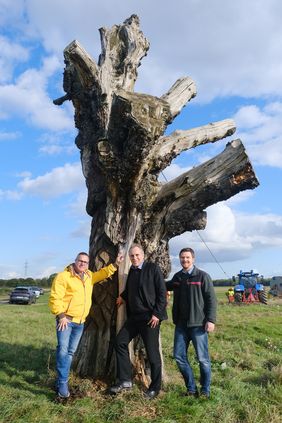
(123, 150)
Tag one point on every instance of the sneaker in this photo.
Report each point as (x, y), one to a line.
(121, 386)
(191, 394)
(204, 395)
(63, 390)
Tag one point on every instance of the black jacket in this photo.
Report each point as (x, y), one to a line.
(200, 299)
(152, 290)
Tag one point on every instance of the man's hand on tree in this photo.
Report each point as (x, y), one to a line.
(119, 301)
(119, 259)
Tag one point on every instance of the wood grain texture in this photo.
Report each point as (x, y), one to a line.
(121, 137)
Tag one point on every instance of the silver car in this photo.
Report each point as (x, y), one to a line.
(22, 295)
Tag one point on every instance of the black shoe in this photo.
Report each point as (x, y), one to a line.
(121, 386)
(151, 394)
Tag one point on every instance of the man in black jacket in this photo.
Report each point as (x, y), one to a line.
(145, 298)
(194, 314)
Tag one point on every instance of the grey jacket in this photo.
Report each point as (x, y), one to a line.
(196, 291)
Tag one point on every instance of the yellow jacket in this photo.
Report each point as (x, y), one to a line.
(230, 293)
(71, 296)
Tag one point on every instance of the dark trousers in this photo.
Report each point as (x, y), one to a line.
(150, 337)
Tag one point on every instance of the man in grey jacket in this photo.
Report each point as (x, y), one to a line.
(194, 314)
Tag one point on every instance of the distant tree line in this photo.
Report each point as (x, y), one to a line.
(231, 282)
(47, 282)
(11, 283)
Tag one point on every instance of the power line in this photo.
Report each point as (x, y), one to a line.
(211, 253)
(204, 242)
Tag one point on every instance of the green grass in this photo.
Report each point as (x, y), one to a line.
(246, 364)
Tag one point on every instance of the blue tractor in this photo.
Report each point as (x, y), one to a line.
(249, 289)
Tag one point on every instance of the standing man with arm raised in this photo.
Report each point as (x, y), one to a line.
(70, 301)
(194, 314)
(145, 298)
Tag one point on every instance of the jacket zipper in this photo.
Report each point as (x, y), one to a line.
(83, 282)
(68, 305)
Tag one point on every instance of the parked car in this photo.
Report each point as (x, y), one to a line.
(36, 290)
(40, 289)
(22, 295)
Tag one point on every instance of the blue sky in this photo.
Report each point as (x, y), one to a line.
(232, 50)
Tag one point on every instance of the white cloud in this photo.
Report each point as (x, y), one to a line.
(57, 143)
(230, 236)
(11, 275)
(269, 154)
(18, 271)
(250, 117)
(55, 149)
(60, 181)
(11, 15)
(172, 172)
(24, 174)
(44, 263)
(46, 272)
(261, 130)
(238, 59)
(28, 98)
(83, 230)
(7, 136)
(11, 54)
(240, 198)
(51, 150)
(229, 48)
(243, 39)
(10, 195)
(77, 207)
(261, 230)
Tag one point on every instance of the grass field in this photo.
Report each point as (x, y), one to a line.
(246, 352)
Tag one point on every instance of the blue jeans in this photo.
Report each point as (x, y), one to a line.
(68, 341)
(199, 337)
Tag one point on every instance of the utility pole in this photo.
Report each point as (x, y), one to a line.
(25, 268)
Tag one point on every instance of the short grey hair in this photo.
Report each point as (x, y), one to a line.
(136, 245)
(82, 253)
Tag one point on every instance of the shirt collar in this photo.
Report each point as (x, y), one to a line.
(138, 267)
(71, 268)
(188, 272)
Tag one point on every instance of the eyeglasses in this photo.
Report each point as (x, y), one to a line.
(83, 262)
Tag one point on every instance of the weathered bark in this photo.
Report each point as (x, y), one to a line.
(123, 150)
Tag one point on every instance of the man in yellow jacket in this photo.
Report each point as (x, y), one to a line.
(70, 301)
